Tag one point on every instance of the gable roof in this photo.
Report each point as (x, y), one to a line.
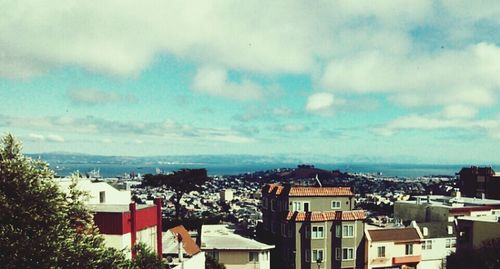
(176, 233)
(394, 234)
(326, 216)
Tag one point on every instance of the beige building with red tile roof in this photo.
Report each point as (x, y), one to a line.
(311, 224)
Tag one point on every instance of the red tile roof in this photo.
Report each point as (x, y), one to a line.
(395, 234)
(326, 215)
(294, 191)
(320, 191)
(188, 243)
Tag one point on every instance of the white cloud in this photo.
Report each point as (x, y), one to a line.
(98, 97)
(322, 103)
(466, 77)
(214, 81)
(441, 121)
(48, 138)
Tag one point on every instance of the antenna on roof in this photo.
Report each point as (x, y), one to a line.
(319, 182)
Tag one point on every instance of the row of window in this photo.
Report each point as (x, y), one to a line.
(299, 206)
(381, 250)
(344, 254)
(317, 231)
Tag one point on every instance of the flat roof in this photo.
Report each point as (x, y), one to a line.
(448, 201)
(487, 218)
(221, 237)
(111, 208)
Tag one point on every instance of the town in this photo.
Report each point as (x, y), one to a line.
(291, 217)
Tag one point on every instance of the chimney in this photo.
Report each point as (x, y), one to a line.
(483, 196)
(180, 248)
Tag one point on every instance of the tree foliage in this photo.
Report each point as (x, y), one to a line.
(42, 226)
(211, 263)
(180, 182)
(485, 257)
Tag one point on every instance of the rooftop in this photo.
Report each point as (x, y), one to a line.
(171, 237)
(110, 208)
(487, 218)
(326, 215)
(221, 237)
(452, 202)
(394, 234)
(300, 191)
(437, 229)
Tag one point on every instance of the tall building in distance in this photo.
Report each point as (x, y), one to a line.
(312, 227)
(479, 182)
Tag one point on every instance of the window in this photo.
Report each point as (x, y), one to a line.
(318, 232)
(297, 206)
(253, 256)
(451, 243)
(409, 249)
(283, 229)
(347, 254)
(273, 205)
(338, 231)
(427, 245)
(306, 206)
(102, 197)
(448, 243)
(336, 205)
(348, 230)
(338, 254)
(308, 232)
(381, 252)
(317, 254)
(213, 254)
(265, 256)
(307, 255)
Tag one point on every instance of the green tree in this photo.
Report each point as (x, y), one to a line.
(485, 257)
(180, 182)
(43, 227)
(211, 263)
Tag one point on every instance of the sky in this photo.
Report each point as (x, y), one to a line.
(391, 81)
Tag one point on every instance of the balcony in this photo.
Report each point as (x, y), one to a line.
(406, 259)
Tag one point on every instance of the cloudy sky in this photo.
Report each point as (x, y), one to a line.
(393, 80)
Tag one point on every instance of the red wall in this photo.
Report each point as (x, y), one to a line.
(119, 222)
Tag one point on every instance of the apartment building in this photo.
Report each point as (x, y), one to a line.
(312, 227)
(394, 248)
(479, 182)
(439, 242)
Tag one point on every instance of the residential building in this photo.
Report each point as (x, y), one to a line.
(393, 248)
(312, 227)
(474, 231)
(479, 182)
(234, 251)
(226, 195)
(439, 242)
(438, 208)
(121, 222)
(181, 251)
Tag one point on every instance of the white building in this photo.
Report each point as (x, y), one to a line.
(439, 242)
(226, 195)
(393, 248)
(121, 222)
(234, 251)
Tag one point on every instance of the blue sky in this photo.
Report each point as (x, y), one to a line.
(392, 81)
